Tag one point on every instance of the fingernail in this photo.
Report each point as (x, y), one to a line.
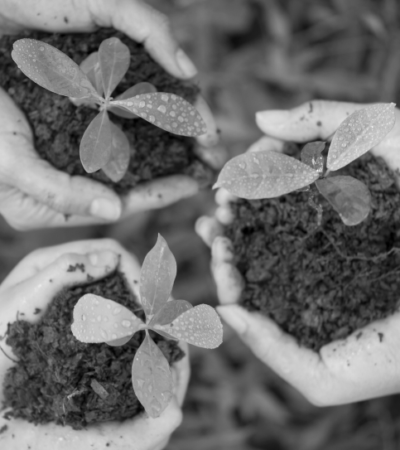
(232, 316)
(102, 258)
(104, 208)
(185, 64)
(272, 117)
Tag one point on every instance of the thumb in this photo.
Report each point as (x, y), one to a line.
(317, 119)
(72, 195)
(31, 296)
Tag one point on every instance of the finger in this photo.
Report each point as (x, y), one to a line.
(229, 282)
(144, 24)
(39, 259)
(211, 138)
(297, 365)
(208, 228)
(367, 361)
(31, 296)
(61, 192)
(222, 250)
(224, 197)
(317, 119)
(224, 215)
(267, 143)
(159, 193)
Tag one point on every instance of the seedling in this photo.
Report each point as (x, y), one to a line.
(104, 145)
(99, 320)
(267, 174)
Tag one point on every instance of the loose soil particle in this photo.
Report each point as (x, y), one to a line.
(58, 125)
(320, 283)
(59, 379)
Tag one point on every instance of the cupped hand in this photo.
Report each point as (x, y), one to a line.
(347, 370)
(135, 18)
(27, 288)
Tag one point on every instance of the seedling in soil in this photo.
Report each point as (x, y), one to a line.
(99, 320)
(268, 174)
(104, 145)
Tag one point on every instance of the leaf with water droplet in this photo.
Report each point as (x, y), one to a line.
(199, 326)
(114, 59)
(51, 69)
(152, 378)
(119, 342)
(91, 67)
(97, 319)
(348, 196)
(166, 111)
(96, 144)
(169, 312)
(118, 163)
(311, 154)
(264, 174)
(360, 132)
(157, 277)
(137, 89)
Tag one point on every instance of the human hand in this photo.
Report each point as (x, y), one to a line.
(135, 18)
(347, 370)
(27, 288)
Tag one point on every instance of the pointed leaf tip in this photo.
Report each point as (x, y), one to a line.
(157, 277)
(349, 197)
(152, 378)
(360, 132)
(166, 111)
(51, 69)
(265, 174)
(97, 319)
(200, 326)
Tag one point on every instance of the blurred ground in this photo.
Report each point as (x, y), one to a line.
(254, 55)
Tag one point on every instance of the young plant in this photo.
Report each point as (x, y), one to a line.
(104, 145)
(99, 320)
(268, 174)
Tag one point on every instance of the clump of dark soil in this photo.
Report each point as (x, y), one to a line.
(58, 125)
(59, 379)
(321, 283)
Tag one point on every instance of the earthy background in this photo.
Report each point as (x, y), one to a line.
(254, 55)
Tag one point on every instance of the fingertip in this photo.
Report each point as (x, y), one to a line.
(208, 228)
(229, 283)
(224, 197)
(224, 215)
(185, 64)
(234, 317)
(222, 250)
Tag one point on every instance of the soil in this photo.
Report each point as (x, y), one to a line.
(58, 125)
(320, 283)
(59, 379)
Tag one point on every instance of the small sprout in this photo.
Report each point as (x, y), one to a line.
(267, 174)
(98, 320)
(91, 84)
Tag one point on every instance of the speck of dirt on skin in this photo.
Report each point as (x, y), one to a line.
(51, 280)
(311, 108)
(14, 133)
(159, 196)
(319, 123)
(78, 266)
(358, 335)
(66, 20)
(66, 217)
(380, 335)
(37, 311)
(3, 429)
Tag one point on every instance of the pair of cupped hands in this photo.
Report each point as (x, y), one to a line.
(34, 194)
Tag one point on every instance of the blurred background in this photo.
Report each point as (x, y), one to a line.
(255, 55)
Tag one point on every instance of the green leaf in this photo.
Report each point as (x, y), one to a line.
(137, 89)
(96, 143)
(157, 277)
(311, 154)
(152, 378)
(360, 132)
(90, 66)
(119, 342)
(114, 59)
(166, 111)
(51, 69)
(97, 319)
(170, 311)
(266, 174)
(199, 326)
(118, 163)
(348, 196)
